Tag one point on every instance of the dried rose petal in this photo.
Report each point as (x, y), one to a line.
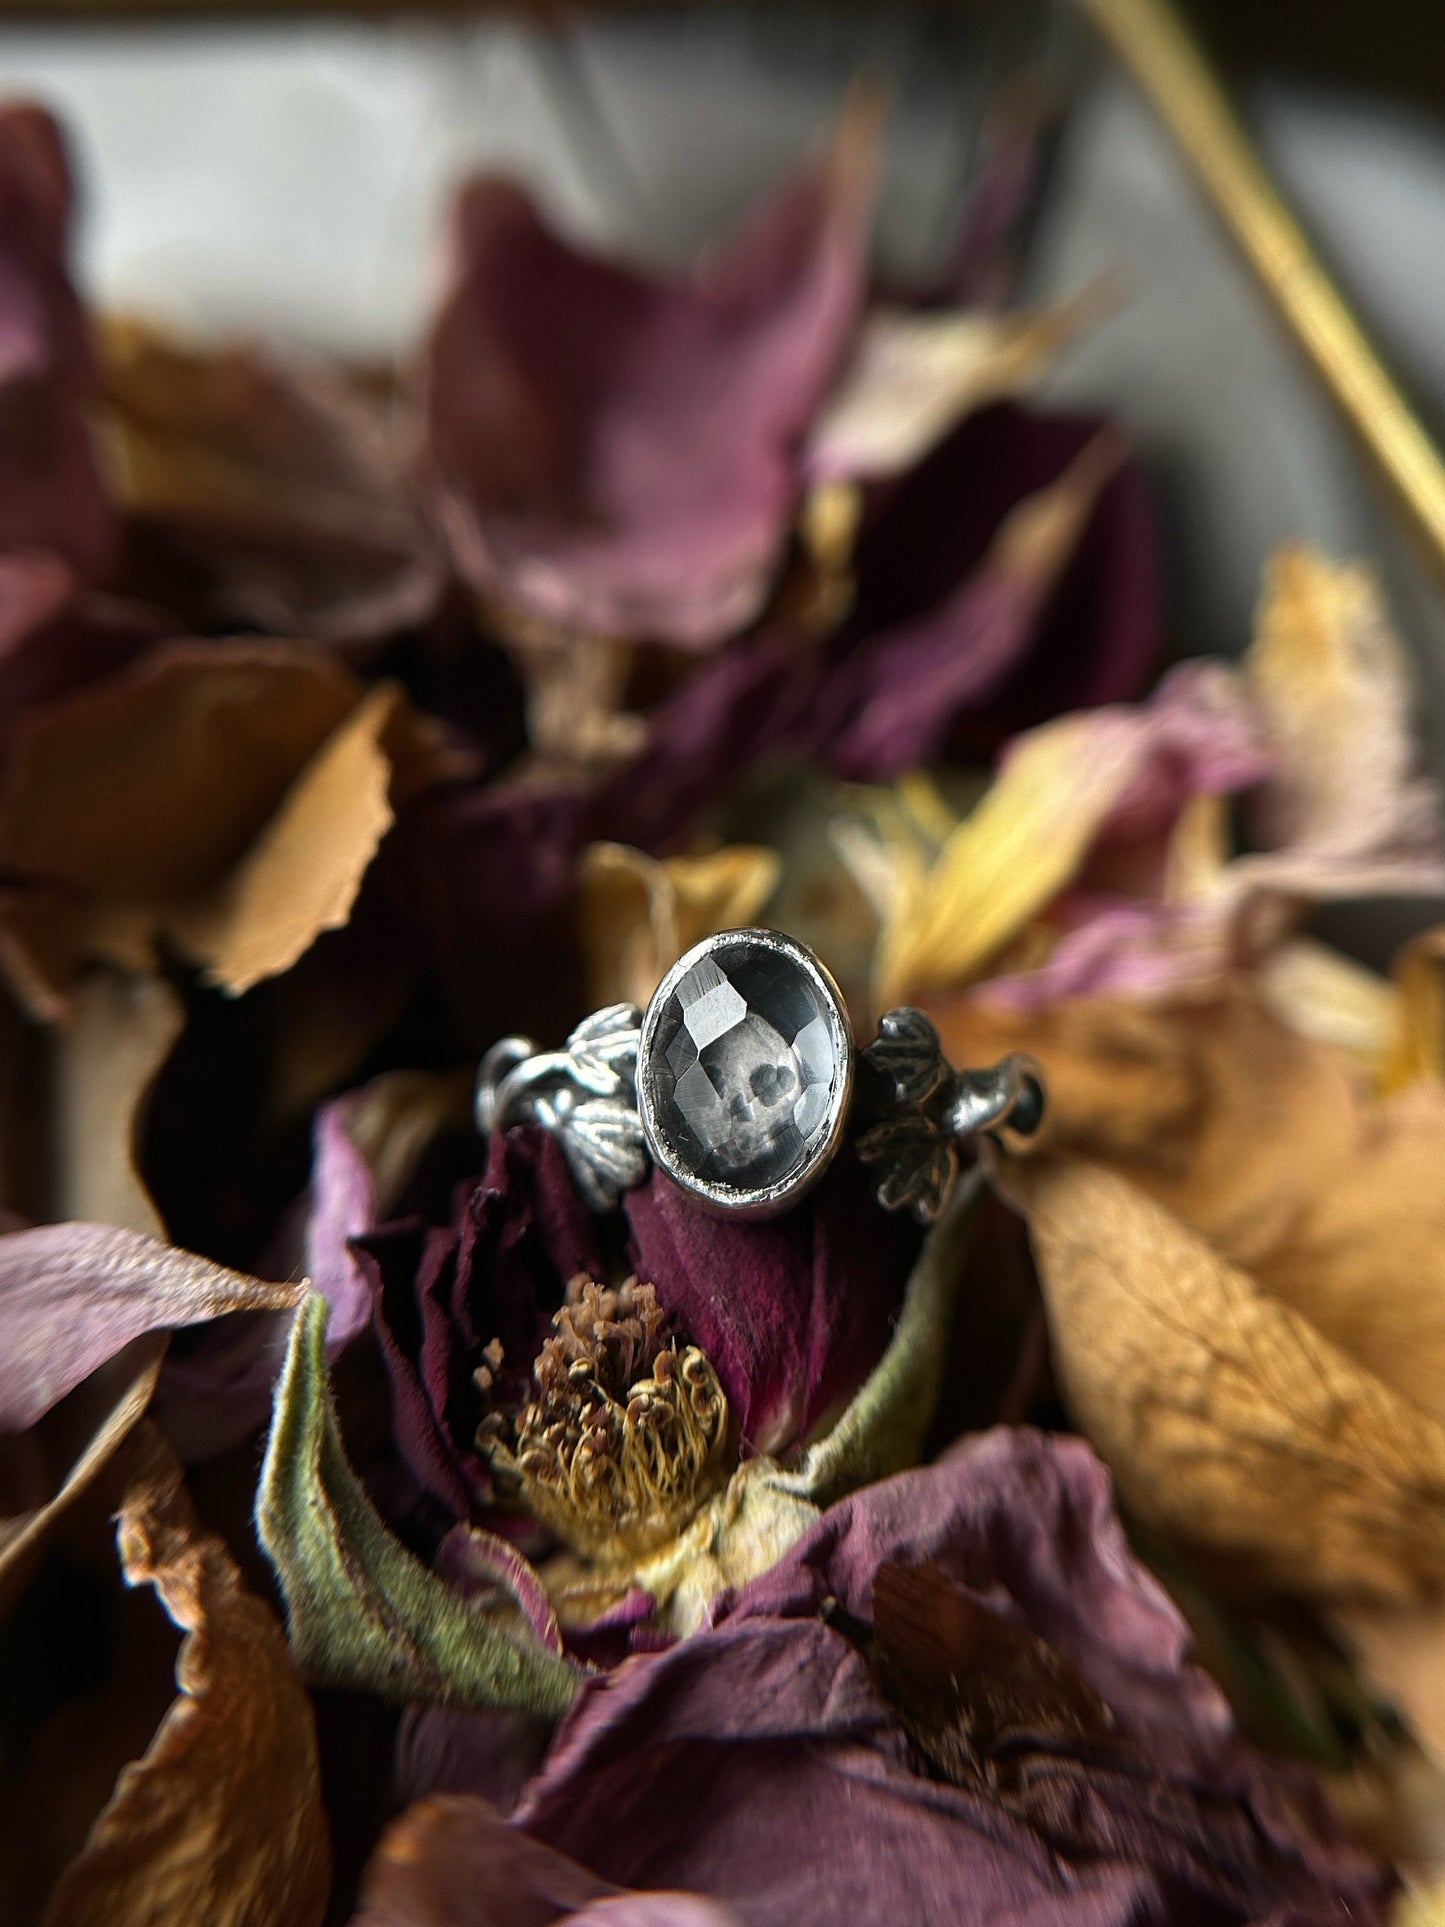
(757, 1763)
(794, 1312)
(266, 495)
(442, 1294)
(455, 1863)
(50, 491)
(568, 400)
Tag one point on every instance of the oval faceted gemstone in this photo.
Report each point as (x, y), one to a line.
(747, 1063)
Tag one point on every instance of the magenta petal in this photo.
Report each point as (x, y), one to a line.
(72, 1295)
(948, 647)
(477, 1563)
(55, 636)
(794, 1312)
(569, 400)
(343, 1206)
(907, 685)
(756, 1760)
(50, 490)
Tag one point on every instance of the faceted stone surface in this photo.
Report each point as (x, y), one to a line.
(743, 1068)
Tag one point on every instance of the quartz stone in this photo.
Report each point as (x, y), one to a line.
(744, 1070)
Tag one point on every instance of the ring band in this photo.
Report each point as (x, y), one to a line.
(741, 1080)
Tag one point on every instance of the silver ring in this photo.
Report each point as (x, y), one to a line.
(742, 1080)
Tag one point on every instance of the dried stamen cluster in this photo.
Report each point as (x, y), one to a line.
(627, 1434)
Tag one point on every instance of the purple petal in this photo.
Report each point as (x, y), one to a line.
(568, 400)
(55, 636)
(71, 1295)
(928, 602)
(50, 491)
(757, 1761)
(793, 1312)
(477, 1563)
(442, 1749)
(907, 684)
(484, 880)
(343, 1206)
(609, 1637)
(456, 1863)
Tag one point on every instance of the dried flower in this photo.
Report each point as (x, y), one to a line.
(627, 1433)
(759, 1766)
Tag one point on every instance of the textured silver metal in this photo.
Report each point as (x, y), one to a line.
(611, 1095)
(585, 1094)
(926, 1109)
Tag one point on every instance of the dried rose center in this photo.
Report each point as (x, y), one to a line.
(627, 1433)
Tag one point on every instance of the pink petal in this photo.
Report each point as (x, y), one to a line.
(618, 454)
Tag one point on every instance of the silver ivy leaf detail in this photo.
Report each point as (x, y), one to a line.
(919, 1163)
(605, 1150)
(603, 1049)
(908, 1052)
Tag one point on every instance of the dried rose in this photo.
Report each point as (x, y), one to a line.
(805, 1314)
(1060, 1762)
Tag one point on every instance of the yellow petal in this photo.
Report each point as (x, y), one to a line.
(302, 874)
(1417, 1049)
(640, 913)
(1228, 1421)
(120, 1034)
(1323, 994)
(1011, 856)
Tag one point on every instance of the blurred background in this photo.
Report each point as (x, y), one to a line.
(285, 171)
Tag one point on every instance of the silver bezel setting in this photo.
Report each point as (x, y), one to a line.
(764, 1200)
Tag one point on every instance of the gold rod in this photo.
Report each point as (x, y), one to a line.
(1151, 40)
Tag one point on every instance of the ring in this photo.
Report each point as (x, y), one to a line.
(740, 1082)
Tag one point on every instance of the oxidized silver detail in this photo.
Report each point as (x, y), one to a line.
(769, 1071)
(930, 1107)
(585, 1094)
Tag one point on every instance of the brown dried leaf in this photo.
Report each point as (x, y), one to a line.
(640, 913)
(1270, 1144)
(1228, 1420)
(222, 1820)
(1417, 1051)
(1332, 684)
(270, 495)
(147, 787)
(1404, 1654)
(120, 1033)
(302, 874)
(142, 795)
(1219, 1110)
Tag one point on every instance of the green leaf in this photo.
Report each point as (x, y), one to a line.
(882, 1430)
(363, 1612)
